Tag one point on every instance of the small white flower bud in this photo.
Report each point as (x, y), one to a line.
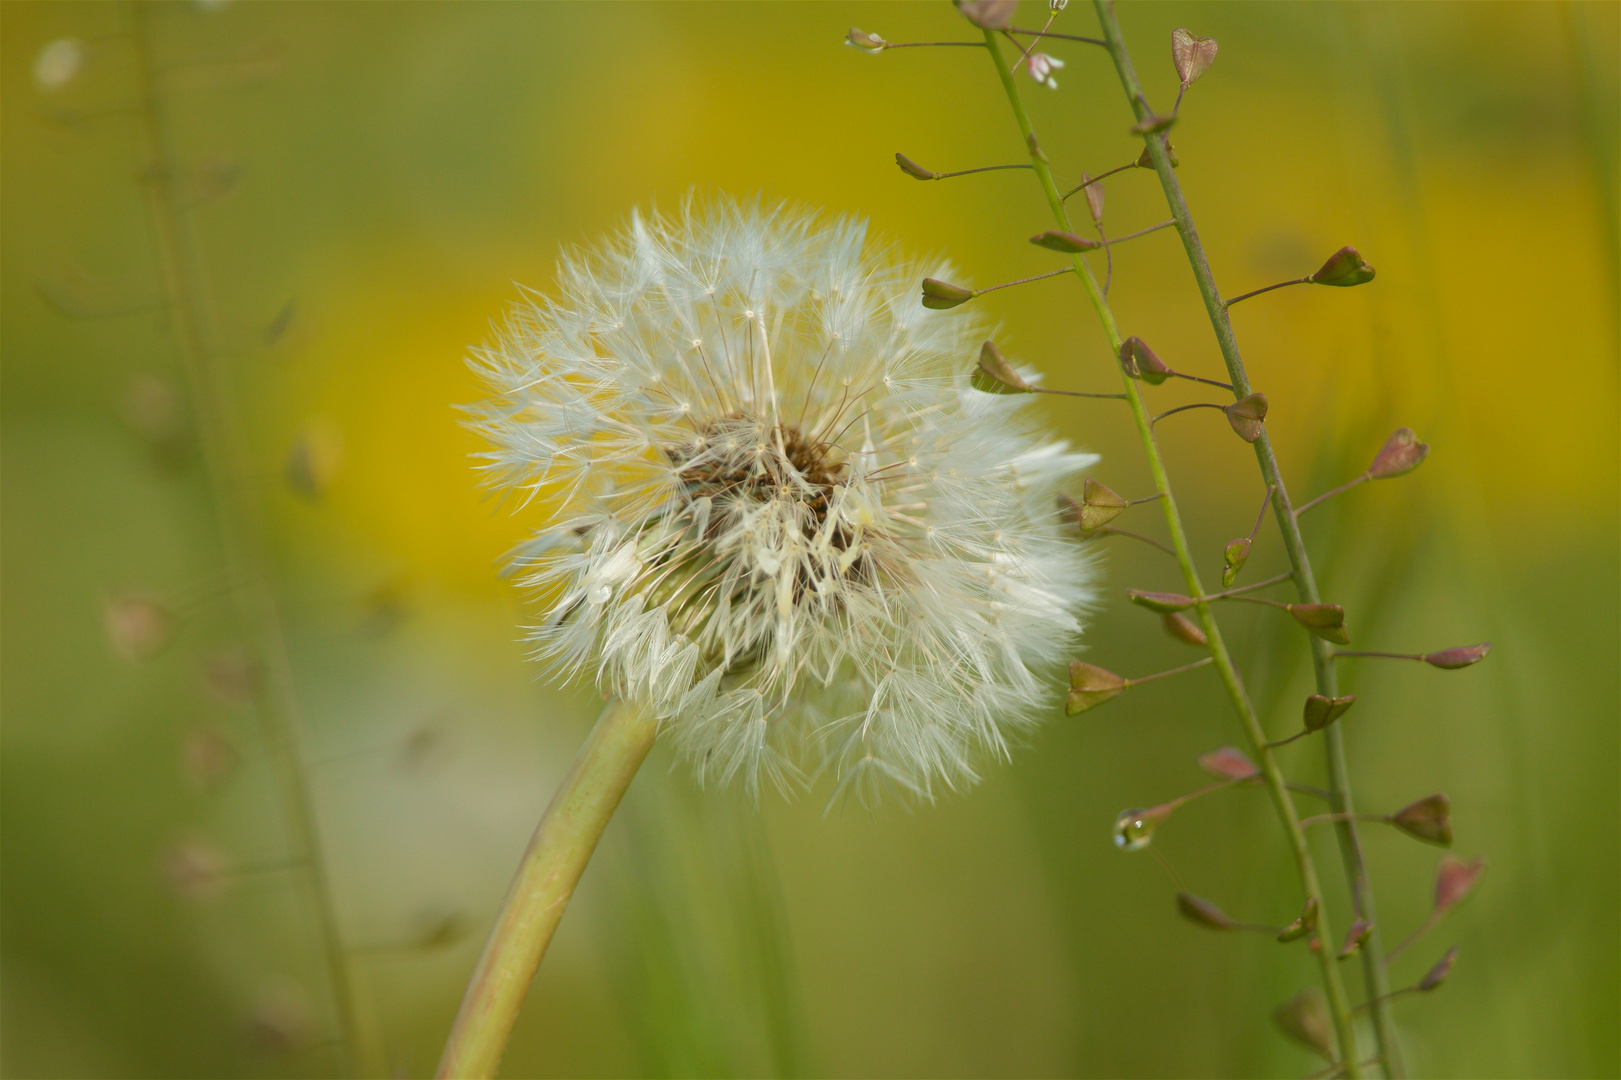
(1041, 68)
(867, 43)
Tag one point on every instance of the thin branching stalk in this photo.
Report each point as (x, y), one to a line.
(238, 521)
(1339, 1005)
(1377, 985)
(551, 867)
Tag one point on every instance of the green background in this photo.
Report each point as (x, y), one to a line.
(397, 168)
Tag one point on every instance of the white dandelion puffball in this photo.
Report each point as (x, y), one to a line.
(781, 519)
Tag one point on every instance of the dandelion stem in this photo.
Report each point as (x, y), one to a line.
(1376, 980)
(237, 518)
(1272, 776)
(551, 867)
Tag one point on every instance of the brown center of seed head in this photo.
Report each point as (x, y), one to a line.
(763, 472)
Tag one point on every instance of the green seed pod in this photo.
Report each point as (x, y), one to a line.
(1184, 629)
(1343, 268)
(1090, 686)
(1322, 711)
(1198, 910)
(1327, 621)
(1246, 415)
(1401, 454)
(1463, 656)
(1160, 601)
(1427, 820)
(994, 375)
(1303, 925)
(1356, 937)
(940, 295)
(912, 168)
(1066, 242)
(1233, 558)
(1438, 974)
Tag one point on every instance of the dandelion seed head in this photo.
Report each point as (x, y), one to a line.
(780, 517)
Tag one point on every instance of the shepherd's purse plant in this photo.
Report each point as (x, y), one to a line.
(1323, 1019)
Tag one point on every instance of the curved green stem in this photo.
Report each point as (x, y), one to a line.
(1277, 787)
(551, 867)
(237, 518)
(1377, 984)
(1267, 289)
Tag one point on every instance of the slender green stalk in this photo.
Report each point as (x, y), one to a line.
(1166, 674)
(1339, 1005)
(237, 519)
(1377, 984)
(551, 867)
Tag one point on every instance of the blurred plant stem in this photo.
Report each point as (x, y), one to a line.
(551, 867)
(237, 516)
(1598, 124)
(1299, 562)
(1338, 1004)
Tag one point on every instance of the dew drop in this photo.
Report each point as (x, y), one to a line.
(1133, 829)
(600, 594)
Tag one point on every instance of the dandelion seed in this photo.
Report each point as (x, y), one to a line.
(781, 519)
